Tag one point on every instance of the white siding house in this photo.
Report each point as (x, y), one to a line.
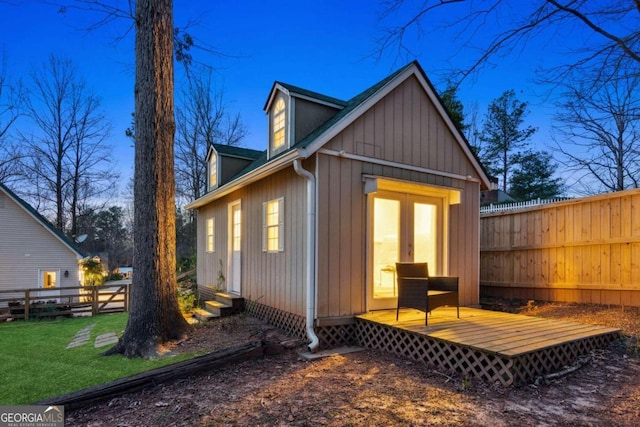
(33, 254)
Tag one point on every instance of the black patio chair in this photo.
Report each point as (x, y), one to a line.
(416, 289)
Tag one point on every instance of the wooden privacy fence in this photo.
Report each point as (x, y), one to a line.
(580, 250)
(64, 301)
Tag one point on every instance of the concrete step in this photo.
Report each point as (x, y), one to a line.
(216, 307)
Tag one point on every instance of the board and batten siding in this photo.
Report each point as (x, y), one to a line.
(274, 279)
(404, 127)
(583, 250)
(26, 247)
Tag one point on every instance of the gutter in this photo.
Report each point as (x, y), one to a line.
(310, 272)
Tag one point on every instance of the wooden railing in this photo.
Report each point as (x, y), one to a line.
(64, 301)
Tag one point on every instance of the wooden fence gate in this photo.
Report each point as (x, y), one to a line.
(64, 301)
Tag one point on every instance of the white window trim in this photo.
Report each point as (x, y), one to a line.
(213, 160)
(285, 126)
(279, 225)
(210, 241)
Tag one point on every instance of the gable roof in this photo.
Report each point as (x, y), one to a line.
(352, 109)
(43, 221)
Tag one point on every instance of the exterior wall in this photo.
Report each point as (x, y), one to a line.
(229, 166)
(583, 250)
(272, 279)
(404, 127)
(26, 247)
(309, 116)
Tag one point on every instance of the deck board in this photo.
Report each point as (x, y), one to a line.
(495, 346)
(495, 332)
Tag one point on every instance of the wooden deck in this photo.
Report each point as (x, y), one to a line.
(491, 345)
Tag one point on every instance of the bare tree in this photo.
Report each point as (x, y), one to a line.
(509, 24)
(10, 153)
(202, 120)
(89, 162)
(598, 132)
(68, 158)
(154, 317)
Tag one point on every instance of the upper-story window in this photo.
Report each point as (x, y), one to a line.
(213, 170)
(278, 125)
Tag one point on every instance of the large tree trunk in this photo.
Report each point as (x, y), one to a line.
(154, 317)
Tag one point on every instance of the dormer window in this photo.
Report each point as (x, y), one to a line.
(278, 124)
(213, 170)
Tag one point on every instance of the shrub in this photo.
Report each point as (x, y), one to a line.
(186, 300)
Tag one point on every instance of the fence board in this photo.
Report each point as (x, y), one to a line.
(579, 250)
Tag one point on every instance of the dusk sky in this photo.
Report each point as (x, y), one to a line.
(324, 46)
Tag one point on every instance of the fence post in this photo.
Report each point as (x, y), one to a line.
(27, 302)
(94, 300)
(127, 289)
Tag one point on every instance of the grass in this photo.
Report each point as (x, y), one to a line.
(35, 363)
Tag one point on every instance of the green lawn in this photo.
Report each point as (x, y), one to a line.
(35, 364)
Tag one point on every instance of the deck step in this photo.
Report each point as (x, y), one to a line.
(204, 315)
(221, 309)
(234, 301)
(222, 306)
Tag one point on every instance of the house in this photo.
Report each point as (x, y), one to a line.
(33, 253)
(308, 231)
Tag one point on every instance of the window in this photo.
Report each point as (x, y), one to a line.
(278, 124)
(211, 224)
(273, 226)
(213, 170)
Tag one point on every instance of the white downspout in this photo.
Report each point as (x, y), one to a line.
(310, 272)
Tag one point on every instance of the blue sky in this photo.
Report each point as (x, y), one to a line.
(324, 46)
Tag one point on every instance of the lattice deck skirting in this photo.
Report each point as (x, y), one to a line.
(291, 323)
(495, 347)
(330, 336)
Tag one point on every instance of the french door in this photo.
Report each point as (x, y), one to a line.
(402, 228)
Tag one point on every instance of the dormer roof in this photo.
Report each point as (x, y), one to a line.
(298, 92)
(233, 151)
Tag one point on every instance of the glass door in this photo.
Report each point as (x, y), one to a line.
(403, 228)
(235, 252)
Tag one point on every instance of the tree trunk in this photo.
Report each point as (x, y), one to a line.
(154, 317)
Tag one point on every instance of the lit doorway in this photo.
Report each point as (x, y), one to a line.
(48, 281)
(403, 228)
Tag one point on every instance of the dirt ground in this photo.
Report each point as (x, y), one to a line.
(371, 388)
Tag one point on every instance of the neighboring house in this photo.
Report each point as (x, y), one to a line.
(309, 230)
(33, 253)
